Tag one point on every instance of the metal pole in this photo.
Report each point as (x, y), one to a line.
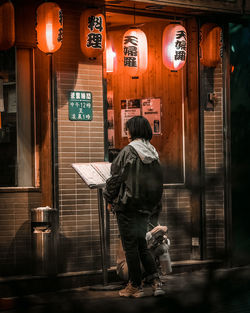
(104, 228)
(53, 134)
(102, 236)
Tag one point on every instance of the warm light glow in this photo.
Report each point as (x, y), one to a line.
(174, 47)
(49, 27)
(7, 25)
(135, 52)
(49, 36)
(110, 56)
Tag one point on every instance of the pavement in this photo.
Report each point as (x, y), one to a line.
(203, 291)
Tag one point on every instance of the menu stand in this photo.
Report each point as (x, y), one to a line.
(102, 169)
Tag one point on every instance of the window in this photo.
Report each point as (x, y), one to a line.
(17, 118)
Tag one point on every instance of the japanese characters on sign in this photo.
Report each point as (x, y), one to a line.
(135, 51)
(180, 45)
(130, 45)
(94, 39)
(174, 46)
(92, 32)
(80, 106)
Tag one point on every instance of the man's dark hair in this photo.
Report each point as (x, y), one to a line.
(139, 127)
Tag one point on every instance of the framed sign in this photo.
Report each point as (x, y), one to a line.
(80, 106)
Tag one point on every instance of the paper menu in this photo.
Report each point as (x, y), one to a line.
(94, 174)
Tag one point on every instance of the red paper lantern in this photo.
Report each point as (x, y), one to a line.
(174, 46)
(92, 32)
(7, 25)
(210, 44)
(49, 27)
(135, 51)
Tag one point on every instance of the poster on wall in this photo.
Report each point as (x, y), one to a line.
(111, 120)
(129, 108)
(111, 131)
(151, 110)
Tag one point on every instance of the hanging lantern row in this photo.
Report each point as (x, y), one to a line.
(211, 44)
(49, 34)
(7, 25)
(135, 50)
(49, 29)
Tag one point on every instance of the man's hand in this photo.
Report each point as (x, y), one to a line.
(109, 207)
(159, 228)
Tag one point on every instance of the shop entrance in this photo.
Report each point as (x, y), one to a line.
(170, 101)
(158, 93)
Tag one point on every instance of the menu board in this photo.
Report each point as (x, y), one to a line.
(94, 174)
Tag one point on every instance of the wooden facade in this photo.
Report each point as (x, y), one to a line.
(191, 144)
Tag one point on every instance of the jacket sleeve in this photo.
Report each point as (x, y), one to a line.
(113, 185)
(118, 175)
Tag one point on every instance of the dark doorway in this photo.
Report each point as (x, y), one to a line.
(240, 126)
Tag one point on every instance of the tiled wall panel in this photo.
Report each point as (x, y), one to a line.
(15, 231)
(214, 170)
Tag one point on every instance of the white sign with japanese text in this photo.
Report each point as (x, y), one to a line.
(151, 110)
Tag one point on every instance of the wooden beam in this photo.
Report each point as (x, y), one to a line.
(192, 135)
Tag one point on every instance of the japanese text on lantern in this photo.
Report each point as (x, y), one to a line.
(180, 45)
(130, 51)
(80, 106)
(95, 39)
